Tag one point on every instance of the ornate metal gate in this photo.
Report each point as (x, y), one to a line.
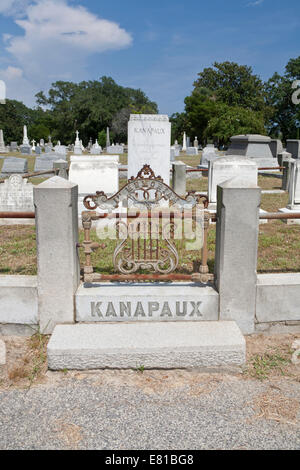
(147, 230)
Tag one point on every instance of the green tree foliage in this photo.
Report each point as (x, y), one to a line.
(13, 116)
(285, 115)
(233, 84)
(234, 120)
(227, 99)
(90, 107)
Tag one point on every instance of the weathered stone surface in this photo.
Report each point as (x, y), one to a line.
(151, 345)
(192, 151)
(14, 165)
(18, 300)
(56, 202)
(236, 252)
(179, 178)
(116, 302)
(293, 147)
(278, 297)
(93, 173)
(115, 150)
(16, 195)
(276, 147)
(2, 353)
(149, 141)
(229, 167)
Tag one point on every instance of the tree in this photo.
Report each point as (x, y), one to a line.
(233, 84)
(285, 115)
(234, 120)
(91, 107)
(13, 116)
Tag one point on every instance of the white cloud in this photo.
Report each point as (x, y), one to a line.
(58, 39)
(13, 7)
(255, 3)
(11, 73)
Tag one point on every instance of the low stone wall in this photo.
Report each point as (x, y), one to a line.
(18, 305)
(278, 302)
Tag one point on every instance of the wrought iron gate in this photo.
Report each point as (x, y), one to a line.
(147, 230)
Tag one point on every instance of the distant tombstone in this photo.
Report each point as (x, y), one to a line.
(14, 165)
(294, 187)
(294, 193)
(25, 149)
(192, 151)
(25, 136)
(208, 155)
(96, 149)
(253, 146)
(13, 146)
(184, 142)
(293, 147)
(172, 154)
(95, 173)
(38, 150)
(196, 143)
(115, 149)
(149, 141)
(42, 143)
(44, 164)
(3, 149)
(276, 147)
(229, 167)
(16, 195)
(48, 149)
(78, 145)
(60, 149)
(188, 142)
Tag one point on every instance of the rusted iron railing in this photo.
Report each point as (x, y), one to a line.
(279, 215)
(17, 215)
(36, 173)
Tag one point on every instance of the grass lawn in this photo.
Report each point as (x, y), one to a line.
(279, 247)
(278, 243)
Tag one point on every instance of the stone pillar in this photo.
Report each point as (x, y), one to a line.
(56, 203)
(179, 178)
(236, 251)
(286, 174)
(62, 166)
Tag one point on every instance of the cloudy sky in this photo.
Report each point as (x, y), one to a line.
(158, 46)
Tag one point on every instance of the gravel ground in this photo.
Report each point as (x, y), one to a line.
(152, 410)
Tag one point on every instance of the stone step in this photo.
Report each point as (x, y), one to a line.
(163, 345)
(113, 302)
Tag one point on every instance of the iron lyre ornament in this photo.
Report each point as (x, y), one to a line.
(145, 190)
(147, 243)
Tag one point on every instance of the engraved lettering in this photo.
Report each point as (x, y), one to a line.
(196, 311)
(139, 311)
(95, 309)
(184, 311)
(152, 307)
(110, 312)
(166, 310)
(125, 308)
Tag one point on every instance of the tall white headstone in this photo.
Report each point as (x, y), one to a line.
(77, 147)
(25, 137)
(149, 141)
(184, 142)
(2, 144)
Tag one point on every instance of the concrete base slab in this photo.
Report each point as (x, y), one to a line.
(285, 210)
(114, 302)
(151, 345)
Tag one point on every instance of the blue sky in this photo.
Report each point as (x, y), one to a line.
(159, 46)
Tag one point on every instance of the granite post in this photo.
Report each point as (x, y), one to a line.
(236, 251)
(55, 203)
(179, 178)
